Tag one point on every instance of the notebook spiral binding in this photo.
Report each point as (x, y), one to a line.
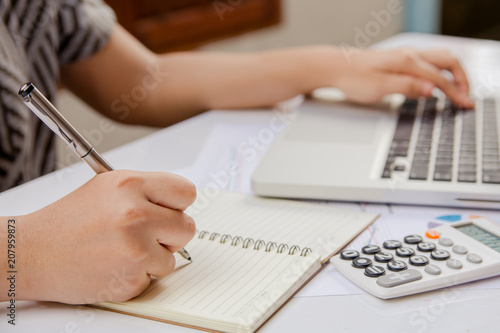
(257, 245)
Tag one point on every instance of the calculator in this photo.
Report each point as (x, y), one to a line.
(447, 255)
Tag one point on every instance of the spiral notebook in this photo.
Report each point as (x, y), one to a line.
(250, 256)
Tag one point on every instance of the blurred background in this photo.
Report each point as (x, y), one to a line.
(252, 25)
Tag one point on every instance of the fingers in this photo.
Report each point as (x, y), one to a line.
(162, 261)
(407, 85)
(172, 228)
(444, 60)
(420, 67)
(161, 188)
(169, 190)
(152, 217)
(168, 231)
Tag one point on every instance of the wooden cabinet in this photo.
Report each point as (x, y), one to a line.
(166, 25)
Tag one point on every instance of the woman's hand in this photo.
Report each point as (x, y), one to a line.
(367, 76)
(103, 241)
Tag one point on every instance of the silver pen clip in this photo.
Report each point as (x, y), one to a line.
(42, 107)
(53, 119)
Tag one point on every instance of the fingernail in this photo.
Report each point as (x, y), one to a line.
(469, 102)
(427, 88)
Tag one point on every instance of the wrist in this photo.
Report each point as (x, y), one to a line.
(327, 66)
(298, 70)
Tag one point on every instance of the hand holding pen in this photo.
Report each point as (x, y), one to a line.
(103, 241)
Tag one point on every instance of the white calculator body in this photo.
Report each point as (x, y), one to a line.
(441, 257)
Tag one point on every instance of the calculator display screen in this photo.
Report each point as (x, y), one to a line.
(481, 235)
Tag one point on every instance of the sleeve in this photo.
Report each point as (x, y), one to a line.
(84, 28)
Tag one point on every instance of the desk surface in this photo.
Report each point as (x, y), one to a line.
(178, 148)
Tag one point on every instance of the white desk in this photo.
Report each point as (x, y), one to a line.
(454, 309)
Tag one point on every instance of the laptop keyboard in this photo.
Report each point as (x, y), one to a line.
(447, 153)
(491, 162)
(420, 166)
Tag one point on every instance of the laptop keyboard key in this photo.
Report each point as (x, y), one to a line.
(490, 151)
(467, 161)
(444, 161)
(399, 167)
(442, 176)
(490, 145)
(491, 178)
(467, 154)
(491, 166)
(444, 153)
(467, 177)
(419, 172)
(443, 172)
(467, 168)
(422, 150)
(490, 158)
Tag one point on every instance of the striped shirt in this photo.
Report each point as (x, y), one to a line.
(36, 38)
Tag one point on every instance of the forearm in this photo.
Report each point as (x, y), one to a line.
(127, 82)
(200, 81)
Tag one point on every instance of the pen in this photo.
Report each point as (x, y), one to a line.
(47, 113)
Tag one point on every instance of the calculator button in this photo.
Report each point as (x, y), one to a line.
(374, 271)
(426, 246)
(474, 258)
(392, 244)
(396, 279)
(405, 252)
(413, 239)
(440, 254)
(432, 269)
(454, 263)
(396, 265)
(349, 254)
(459, 249)
(361, 262)
(445, 241)
(432, 234)
(383, 257)
(370, 249)
(419, 260)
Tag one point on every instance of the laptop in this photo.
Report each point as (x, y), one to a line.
(425, 151)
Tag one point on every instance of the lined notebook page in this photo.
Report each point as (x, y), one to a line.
(234, 289)
(222, 284)
(324, 229)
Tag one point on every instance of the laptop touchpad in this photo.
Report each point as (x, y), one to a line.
(339, 123)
